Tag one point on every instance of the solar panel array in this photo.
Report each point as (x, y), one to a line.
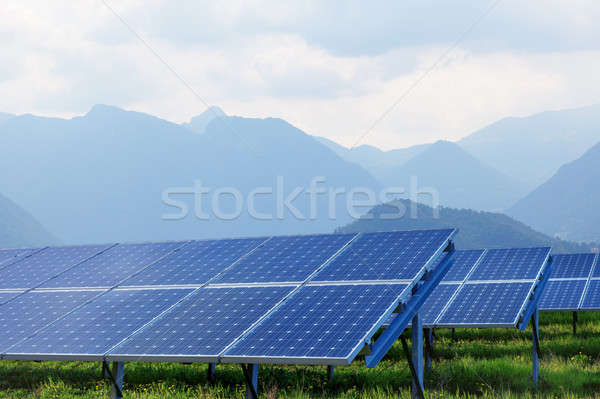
(574, 285)
(486, 288)
(255, 299)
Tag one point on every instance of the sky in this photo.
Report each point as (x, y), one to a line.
(332, 68)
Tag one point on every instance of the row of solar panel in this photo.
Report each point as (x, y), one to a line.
(375, 256)
(199, 325)
(466, 299)
(325, 321)
(575, 284)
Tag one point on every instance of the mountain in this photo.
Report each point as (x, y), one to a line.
(5, 117)
(199, 123)
(461, 180)
(567, 204)
(373, 159)
(115, 175)
(476, 229)
(19, 229)
(532, 149)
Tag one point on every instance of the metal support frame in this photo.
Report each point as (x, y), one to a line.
(536, 348)
(428, 348)
(574, 323)
(105, 369)
(210, 373)
(330, 373)
(251, 376)
(417, 357)
(421, 292)
(116, 379)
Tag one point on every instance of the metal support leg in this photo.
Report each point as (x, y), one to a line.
(536, 348)
(453, 334)
(105, 369)
(574, 323)
(417, 356)
(428, 348)
(118, 372)
(251, 376)
(210, 373)
(330, 373)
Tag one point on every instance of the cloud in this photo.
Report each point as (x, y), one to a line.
(330, 68)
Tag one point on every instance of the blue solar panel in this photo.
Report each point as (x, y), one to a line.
(572, 266)
(487, 304)
(285, 259)
(112, 266)
(196, 263)
(591, 300)
(204, 324)
(7, 296)
(436, 302)
(35, 269)
(386, 256)
(319, 322)
(511, 264)
(562, 294)
(597, 267)
(29, 312)
(99, 325)
(8, 256)
(463, 263)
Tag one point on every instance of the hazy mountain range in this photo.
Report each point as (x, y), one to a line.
(116, 175)
(19, 229)
(568, 204)
(102, 177)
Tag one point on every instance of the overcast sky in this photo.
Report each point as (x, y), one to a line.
(329, 67)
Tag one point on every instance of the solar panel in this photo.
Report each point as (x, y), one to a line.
(7, 256)
(319, 322)
(28, 313)
(203, 325)
(113, 265)
(397, 255)
(286, 259)
(6, 296)
(91, 330)
(562, 294)
(486, 304)
(591, 300)
(572, 265)
(596, 272)
(39, 267)
(195, 263)
(511, 264)
(463, 263)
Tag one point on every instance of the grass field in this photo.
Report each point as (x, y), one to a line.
(478, 363)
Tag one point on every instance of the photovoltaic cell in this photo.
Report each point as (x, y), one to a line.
(7, 296)
(385, 256)
(463, 263)
(511, 264)
(487, 303)
(204, 324)
(285, 259)
(113, 265)
(99, 325)
(591, 301)
(436, 302)
(39, 267)
(572, 265)
(319, 322)
(8, 256)
(27, 313)
(195, 263)
(562, 294)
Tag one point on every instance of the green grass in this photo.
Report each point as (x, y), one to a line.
(489, 363)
